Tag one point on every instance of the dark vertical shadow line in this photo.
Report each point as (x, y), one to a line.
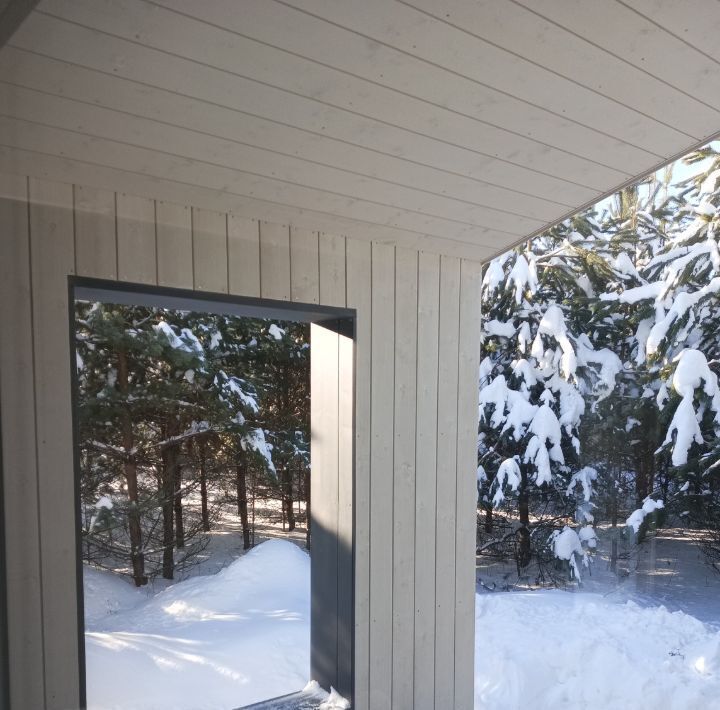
(226, 220)
(192, 246)
(155, 235)
(117, 245)
(353, 548)
(4, 668)
(78, 510)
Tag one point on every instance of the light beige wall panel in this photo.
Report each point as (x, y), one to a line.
(403, 517)
(332, 269)
(412, 603)
(77, 44)
(52, 259)
(381, 479)
(275, 261)
(466, 505)
(425, 479)
(19, 463)
(304, 266)
(210, 250)
(359, 298)
(137, 257)
(243, 256)
(95, 244)
(174, 245)
(446, 488)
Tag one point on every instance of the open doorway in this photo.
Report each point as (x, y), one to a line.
(195, 500)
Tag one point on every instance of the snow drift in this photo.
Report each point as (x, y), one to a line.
(213, 642)
(579, 651)
(243, 635)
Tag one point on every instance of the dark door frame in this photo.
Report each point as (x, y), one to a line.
(339, 320)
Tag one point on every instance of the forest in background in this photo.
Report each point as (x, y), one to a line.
(180, 416)
(599, 398)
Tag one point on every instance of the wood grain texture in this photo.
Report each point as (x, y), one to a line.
(95, 243)
(243, 256)
(274, 261)
(137, 258)
(210, 251)
(332, 269)
(304, 266)
(174, 245)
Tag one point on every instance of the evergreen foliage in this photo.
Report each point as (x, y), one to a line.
(598, 383)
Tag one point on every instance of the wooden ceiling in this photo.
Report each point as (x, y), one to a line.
(455, 126)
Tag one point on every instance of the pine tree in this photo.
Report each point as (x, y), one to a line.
(539, 369)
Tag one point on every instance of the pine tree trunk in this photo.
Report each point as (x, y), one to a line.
(614, 522)
(286, 477)
(177, 500)
(488, 518)
(203, 488)
(523, 533)
(167, 493)
(130, 470)
(242, 501)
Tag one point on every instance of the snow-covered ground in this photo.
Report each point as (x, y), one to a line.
(218, 641)
(576, 650)
(242, 635)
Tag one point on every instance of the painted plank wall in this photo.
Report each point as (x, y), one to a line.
(416, 357)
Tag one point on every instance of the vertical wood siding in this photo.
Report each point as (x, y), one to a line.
(415, 416)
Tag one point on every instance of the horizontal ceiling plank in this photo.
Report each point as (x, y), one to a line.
(29, 162)
(140, 132)
(89, 48)
(621, 31)
(503, 46)
(566, 56)
(696, 22)
(227, 52)
(331, 45)
(23, 68)
(32, 136)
